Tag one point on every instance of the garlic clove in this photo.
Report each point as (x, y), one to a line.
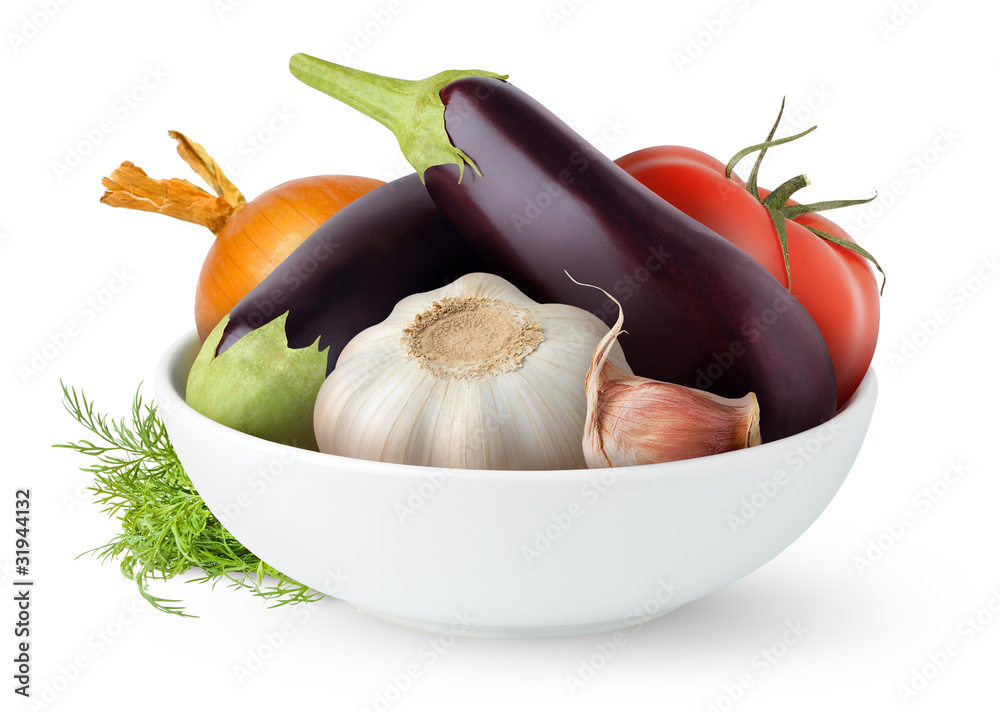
(638, 421)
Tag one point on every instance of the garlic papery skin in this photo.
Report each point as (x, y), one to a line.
(473, 375)
(639, 421)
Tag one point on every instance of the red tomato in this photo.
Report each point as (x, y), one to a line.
(837, 286)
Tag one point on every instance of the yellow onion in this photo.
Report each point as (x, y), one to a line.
(251, 239)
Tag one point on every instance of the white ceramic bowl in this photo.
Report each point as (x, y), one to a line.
(511, 554)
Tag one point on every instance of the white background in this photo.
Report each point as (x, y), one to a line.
(905, 95)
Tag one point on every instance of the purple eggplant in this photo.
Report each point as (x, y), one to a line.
(259, 370)
(535, 201)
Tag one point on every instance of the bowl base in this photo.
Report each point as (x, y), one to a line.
(449, 628)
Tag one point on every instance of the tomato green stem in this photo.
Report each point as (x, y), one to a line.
(794, 211)
(779, 225)
(779, 196)
(853, 247)
(762, 147)
(775, 202)
(752, 180)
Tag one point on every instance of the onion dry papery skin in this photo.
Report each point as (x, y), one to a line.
(474, 375)
(251, 238)
(262, 234)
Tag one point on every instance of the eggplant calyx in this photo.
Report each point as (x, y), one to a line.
(412, 110)
(260, 386)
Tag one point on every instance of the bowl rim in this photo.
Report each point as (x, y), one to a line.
(169, 398)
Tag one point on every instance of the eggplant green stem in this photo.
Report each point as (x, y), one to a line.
(412, 110)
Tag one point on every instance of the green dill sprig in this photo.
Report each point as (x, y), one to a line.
(167, 529)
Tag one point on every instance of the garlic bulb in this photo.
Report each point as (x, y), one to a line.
(639, 421)
(472, 375)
